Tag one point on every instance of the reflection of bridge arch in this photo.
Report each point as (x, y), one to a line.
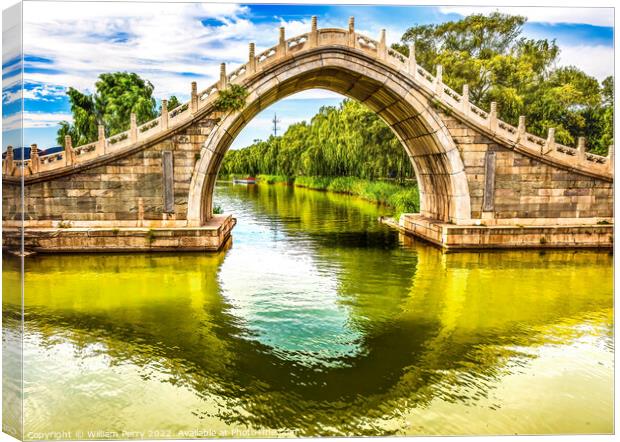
(406, 356)
(381, 87)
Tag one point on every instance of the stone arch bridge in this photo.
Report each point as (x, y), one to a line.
(483, 182)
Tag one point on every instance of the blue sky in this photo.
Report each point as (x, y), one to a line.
(171, 44)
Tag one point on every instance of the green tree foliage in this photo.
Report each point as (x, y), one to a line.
(231, 99)
(348, 140)
(117, 95)
(173, 102)
(489, 54)
(85, 119)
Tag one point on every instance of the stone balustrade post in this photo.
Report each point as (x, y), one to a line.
(34, 158)
(550, 143)
(282, 42)
(8, 161)
(100, 149)
(382, 49)
(223, 79)
(610, 159)
(465, 100)
(352, 32)
(439, 80)
(69, 152)
(194, 98)
(251, 59)
(521, 128)
(581, 148)
(164, 115)
(133, 128)
(493, 116)
(314, 33)
(413, 66)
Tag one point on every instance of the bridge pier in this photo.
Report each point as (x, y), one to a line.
(89, 237)
(511, 234)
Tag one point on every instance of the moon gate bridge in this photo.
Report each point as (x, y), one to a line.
(482, 181)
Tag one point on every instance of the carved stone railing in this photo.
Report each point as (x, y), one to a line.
(433, 84)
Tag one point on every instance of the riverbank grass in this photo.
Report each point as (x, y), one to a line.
(403, 198)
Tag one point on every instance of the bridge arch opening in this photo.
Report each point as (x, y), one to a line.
(400, 103)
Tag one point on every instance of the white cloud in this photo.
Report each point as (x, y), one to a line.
(162, 42)
(314, 94)
(597, 61)
(591, 16)
(33, 120)
(41, 92)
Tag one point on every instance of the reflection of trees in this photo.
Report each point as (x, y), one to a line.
(12, 388)
(448, 337)
(326, 218)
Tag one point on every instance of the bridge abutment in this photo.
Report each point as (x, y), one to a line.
(510, 234)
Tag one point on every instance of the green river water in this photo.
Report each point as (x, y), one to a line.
(316, 320)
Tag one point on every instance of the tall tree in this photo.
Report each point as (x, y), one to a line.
(116, 96)
(490, 55)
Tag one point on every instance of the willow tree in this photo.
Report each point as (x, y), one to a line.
(348, 140)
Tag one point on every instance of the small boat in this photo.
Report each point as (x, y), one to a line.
(247, 180)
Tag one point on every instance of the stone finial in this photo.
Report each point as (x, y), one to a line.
(282, 37)
(493, 116)
(100, 139)
(610, 158)
(352, 32)
(465, 99)
(439, 80)
(8, 161)
(34, 158)
(133, 127)
(282, 41)
(314, 33)
(550, 143)
(382, 49)
(581, 147)
(223, 78)
(194, 98)
(521, 128)
(251, 58)
(164, 114)
(69, 153)
(252, 51)
(412, 61)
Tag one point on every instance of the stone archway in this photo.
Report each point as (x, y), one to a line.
(401, 103)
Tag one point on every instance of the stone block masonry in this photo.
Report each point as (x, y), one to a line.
(211, 237)
(507, 184)
(116, 191)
